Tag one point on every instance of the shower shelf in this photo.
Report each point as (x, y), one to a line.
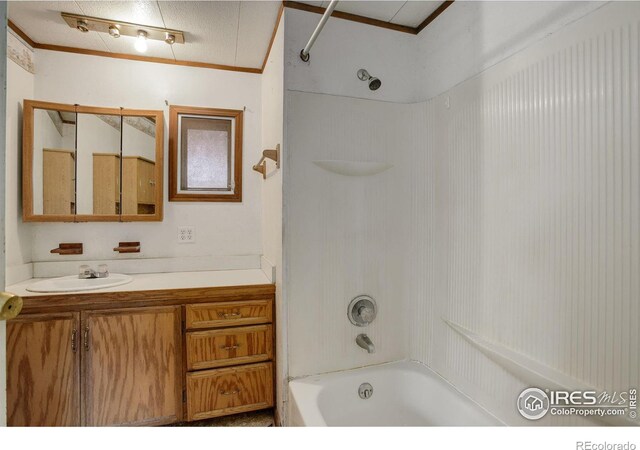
(353, 168)
(530, 371)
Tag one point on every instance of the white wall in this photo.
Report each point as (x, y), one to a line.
(272, 134)
(17, 234)
(342, 49)
(472, 36)
(526, 201)
(3, 160)
(137, 143)
(221, 229)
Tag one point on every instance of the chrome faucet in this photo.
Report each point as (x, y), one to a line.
(85, 272)
(364, 342)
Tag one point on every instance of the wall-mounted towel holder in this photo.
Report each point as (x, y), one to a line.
(68, 249)
(273, 154)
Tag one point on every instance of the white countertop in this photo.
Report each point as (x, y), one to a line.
(172, 280)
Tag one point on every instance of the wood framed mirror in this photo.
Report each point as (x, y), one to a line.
(91, 164)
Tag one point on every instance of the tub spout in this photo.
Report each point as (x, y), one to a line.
(364, 342)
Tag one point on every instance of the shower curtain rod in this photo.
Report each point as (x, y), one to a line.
(304, 53)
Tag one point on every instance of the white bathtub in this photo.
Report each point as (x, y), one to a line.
(404, 394)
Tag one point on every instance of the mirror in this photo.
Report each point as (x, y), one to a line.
(54, 162)
(91, 164)
(98, 164)
(138, 165)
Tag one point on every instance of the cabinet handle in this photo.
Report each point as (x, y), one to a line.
(73, 340)
(230, 347)
(228, 315)
(86, 338)
(237, 391)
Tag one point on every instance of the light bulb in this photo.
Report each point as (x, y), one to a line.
(141, 42)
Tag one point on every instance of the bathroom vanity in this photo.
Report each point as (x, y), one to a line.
(163, 349)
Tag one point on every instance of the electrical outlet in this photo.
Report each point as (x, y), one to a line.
(186, 235)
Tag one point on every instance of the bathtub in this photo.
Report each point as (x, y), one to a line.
(404, 394)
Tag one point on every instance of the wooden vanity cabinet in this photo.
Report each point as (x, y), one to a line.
(140, 358)
(236, 341)
(43, 370)
(125, 365)
(132, 366)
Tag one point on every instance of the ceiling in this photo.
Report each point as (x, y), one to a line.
(408, 13)
(229, 33)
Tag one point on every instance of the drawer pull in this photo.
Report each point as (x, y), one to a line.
(237, 391)
(230, 347)
(229, 315)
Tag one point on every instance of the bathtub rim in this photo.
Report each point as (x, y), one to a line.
(313, 416)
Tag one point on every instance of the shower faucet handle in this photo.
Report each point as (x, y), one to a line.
(362, 310)
(367, 314)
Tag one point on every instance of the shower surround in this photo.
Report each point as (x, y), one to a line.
(512, 209)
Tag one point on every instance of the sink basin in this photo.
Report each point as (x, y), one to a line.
(74, 284)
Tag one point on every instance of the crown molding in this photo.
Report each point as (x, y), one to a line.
(369, 21)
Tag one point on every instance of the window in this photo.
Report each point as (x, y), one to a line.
(205, 152)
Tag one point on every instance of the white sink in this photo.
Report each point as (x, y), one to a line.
(74, 284)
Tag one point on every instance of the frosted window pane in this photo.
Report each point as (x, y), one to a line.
(207, 159)
(206, 154)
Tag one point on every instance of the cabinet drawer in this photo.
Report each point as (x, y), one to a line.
(229, 346)
(227, 314)
(218, 392)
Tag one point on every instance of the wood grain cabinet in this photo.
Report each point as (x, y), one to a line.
(140, 358)
(125, 365)
(138, 185)
(43, 370)
(58, 181)
(231, 337)
(106, 183)
(132, 366)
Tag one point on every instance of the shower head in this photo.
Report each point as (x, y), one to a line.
(374, 83)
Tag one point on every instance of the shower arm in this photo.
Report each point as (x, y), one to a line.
(304, 53)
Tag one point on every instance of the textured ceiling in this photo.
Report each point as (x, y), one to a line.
(223, 32)
(409, 13)
(232, 33)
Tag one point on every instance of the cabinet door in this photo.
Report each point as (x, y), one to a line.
(43, 370)
(146, 173)
(132, 366)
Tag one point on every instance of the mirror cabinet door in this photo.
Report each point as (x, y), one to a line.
(139, 174)
(84, 163)
(54, 160)
(98, 164)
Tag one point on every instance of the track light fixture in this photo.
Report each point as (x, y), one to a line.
(141, 33)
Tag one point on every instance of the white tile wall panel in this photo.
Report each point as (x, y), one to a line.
(341, 236)
(513, 209)
(537, 202)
